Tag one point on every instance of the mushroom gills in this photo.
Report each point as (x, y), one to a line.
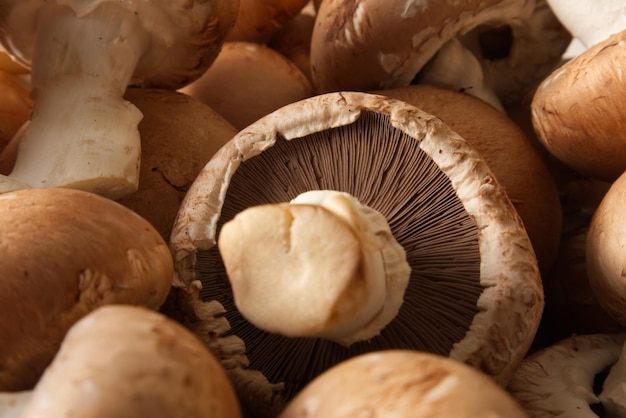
(424, 214)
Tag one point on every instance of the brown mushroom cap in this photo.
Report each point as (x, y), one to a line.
(247, 81)
(577, 110)
(436, 192)
(558, 381)
(15, 107)
(184, 36)
(606, 258)
(127, 361)
(259, 20)
(66, 252)
(403, 383)
(510, 154)
(179, 135)
(378, 44)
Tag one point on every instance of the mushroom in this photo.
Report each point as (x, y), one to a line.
(565, 379)
(380, 44)
(15, 107)
(606, 261)
(576, 111)
(510, 154)
(128, 361)
(474, 292)
(258, 20)
(403, 383)
(12, 404)
(179, 134)
(66, 252)
(248, 81)
(590, 21)
(84, 54)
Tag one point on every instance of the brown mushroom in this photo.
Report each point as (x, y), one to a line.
(379, 44)
(247, 81)
(510, 154)
(463, 239)
(83, 56)
(606, 258)
(179, 134)
(66, 252)
(403, 383)
(576, 111)
(128, 362)
(15, 107)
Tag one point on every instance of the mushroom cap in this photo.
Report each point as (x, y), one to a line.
(185, 36)
(259, 20)
(179, 135)
(403, 383)
(417, 172)
(128, 361)
(247, 81)
(15, 107)
(558, 381)
(66, 252)
(577, 110)
(378, 44)
(606, 258)
(509, 153)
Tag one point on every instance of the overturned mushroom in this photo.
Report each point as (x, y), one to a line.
(474, 292)
(377, 44)
(64, 253)
(403, 383)
(565, 379)
(84, 54)
(128, 361)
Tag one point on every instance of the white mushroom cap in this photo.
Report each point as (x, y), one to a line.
(558, 381)
(128, 362)
(429, 184)
(402, 383)
(64, 253)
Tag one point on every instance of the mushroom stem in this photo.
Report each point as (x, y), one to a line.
(613, 395)
(12, 404)
(82, 133)
(323, 265)
(456, 67)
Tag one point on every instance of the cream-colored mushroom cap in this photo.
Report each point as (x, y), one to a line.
(403, 384)
(577, 111)
(129, 362)
(558, 381)
(605, 253)
(64, 253)
(377, 44)
(474, 291)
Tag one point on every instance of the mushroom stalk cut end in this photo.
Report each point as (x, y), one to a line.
(322, 265)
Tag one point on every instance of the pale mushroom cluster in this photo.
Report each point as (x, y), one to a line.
(312, 208)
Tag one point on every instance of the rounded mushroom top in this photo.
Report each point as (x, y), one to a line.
(403, 383)
(464, 241)
(184, 36)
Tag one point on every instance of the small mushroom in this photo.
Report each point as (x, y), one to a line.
(380, 44)
(474, 292)
(606, 258)
(510, 154)
(403, 383)
(66, 252)
(565, 379)
(179, 135)
(576, 111)
(84, 54)
(248, 81)
(258, 20)
(128, 362)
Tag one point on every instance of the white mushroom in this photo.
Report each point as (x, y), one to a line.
(84, 54)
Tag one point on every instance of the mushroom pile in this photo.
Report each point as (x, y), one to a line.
(255, 203)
